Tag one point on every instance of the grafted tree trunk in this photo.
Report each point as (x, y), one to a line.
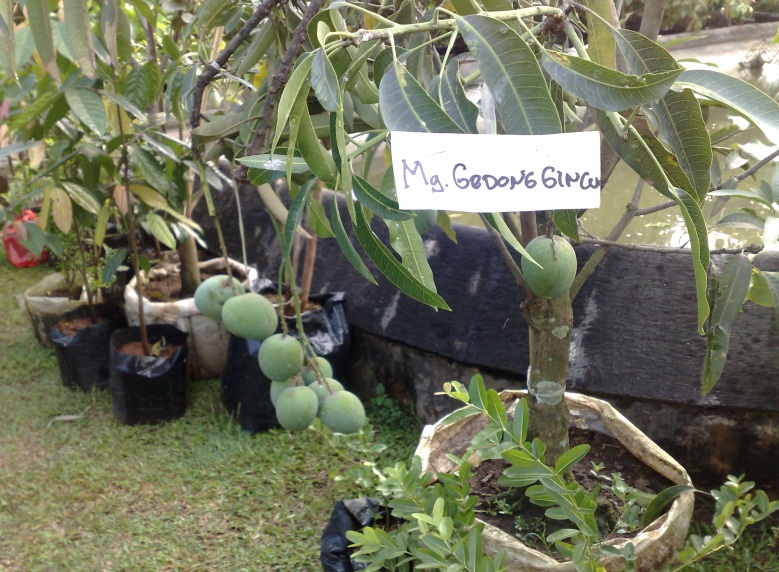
(551, 325)
(190, 273)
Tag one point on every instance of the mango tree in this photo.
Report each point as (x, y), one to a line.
(352, 74)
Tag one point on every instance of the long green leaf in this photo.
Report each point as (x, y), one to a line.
(732, 291)
(160, 230)
(38, 15)
(80, 35)
(570, 458)
(742, 220)
(317, 219)
(14, 148)
(82, 197)
(406, 241)
(211, 12)
(663, 498)
(324, 81)
(453, 99)
(567, 221)
(295, 215)
(600, 42)
(298, 82)
(275, 162)
(379, 203)
(346, 245)
(765, 289)
(88, 107)
(739, 95)
(605, 88)
(7, 52)
(152, 172)
(406, 106)
(315, 155)
(109, 25)
(391, 267)
(496, 221)
(512, 73)
(262, 41)
(678, 113)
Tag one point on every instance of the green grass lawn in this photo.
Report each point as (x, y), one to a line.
(88, 494)
(79, 492)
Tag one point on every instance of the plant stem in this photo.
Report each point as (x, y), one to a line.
(84, 276)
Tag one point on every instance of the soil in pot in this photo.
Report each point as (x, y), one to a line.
(510, 510)
(148, 389)
(246, 390)
(82, 346)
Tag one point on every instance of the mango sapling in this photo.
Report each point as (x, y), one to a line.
(250, 316)
(212, 294)
(280, 357)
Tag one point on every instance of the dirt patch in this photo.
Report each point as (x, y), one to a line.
(74, 325)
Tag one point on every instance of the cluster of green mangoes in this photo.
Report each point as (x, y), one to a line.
(297, 392)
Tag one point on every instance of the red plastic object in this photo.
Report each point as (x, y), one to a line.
(17, 254)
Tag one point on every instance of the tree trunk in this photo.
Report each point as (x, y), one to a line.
(551, 325)
(190, 273)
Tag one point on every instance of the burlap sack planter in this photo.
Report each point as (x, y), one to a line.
(654, 546)
(44, 310)
(208, 339)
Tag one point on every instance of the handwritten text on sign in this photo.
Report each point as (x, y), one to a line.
(496, 173)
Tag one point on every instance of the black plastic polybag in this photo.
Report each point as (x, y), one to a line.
(246, 390)
(352, 514)
(149, 389)
(83, 358)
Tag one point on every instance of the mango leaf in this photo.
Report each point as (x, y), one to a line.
(112, 264)
(32, 237)
(7, 51)
(15, 148)
(149, 196)
(160, 230)
(764, 289)
(752, 195)
(262, 40)
(62, 209)
(80, 35)
(600, 42)
(151, 171)
(295, 215)
(567, 222)
(317, 219)
(345, 244)
(275, 162)
(731, 293)
(340, 158)
(136, 89)
(736, 94)
(663, 499)
(102, 221)
(109, 24)
(390, 266)
(406, 241)
(316, 156)
(297, 83)
(512, 73)
(521, 420)
(38, 15)
(324, 81)
(605, 88)
(453, 99)
(742, 220)
(496, 221)
(379, 203)
(81, 197)
(406, 106)
(88, 107)
(678, 113)
(211, 12)
(220, 126)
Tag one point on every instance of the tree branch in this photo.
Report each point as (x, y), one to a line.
(505, 254)
(212, 69)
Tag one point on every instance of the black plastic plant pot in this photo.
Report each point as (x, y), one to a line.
(83, 357)
(352, 514)
(246, 391)
(149, 389)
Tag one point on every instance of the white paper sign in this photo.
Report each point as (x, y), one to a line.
(496, 173)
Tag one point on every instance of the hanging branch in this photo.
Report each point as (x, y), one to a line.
(212, 69)
(278, 81)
